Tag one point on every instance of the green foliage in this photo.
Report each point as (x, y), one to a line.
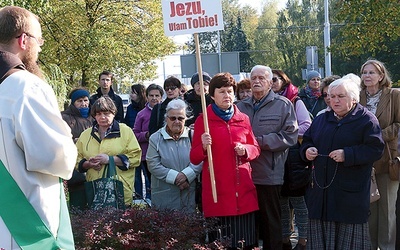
(233, 37)
(368, 25)
(36, 6)
(298, 27)
(57, 80)
(265, 35)
(236, 40)
(366, 29)
(85, 37)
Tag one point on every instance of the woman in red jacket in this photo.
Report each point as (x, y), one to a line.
(233, 145)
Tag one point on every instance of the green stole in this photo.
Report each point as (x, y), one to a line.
(32, 233)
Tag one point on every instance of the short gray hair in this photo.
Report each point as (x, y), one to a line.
(176, 104)
(350, 85)
(265, 68)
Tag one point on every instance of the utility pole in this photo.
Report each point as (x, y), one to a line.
(219, 52)
(327, 40)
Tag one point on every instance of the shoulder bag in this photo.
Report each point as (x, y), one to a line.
(107, 191)
(394, 166)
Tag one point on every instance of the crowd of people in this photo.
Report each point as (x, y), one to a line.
(232, 161)
(257, 130)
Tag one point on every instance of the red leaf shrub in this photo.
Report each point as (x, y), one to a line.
(140, 228)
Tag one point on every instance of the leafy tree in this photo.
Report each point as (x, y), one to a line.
(265, 50)
(54, 76)
(236, 40)
(368, 25)
(84, 37)
(249, 19)
(299, 27)
(88, 36)
(233, 37)
(365, 29)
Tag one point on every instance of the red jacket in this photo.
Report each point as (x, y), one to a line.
(236, 192)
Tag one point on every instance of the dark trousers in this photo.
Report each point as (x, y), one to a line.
(77, 197)
(268, 222)
(139, 183)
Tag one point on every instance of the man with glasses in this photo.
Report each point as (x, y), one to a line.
(105, 89)
(36, 146)
(172, 87)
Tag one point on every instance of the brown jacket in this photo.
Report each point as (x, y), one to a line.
(75, 121)
(388, 114)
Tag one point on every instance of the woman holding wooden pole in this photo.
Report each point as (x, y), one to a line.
(233, 146)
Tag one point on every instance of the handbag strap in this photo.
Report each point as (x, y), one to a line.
(390, 155)
(34, 234)
(105, 171)
(110, 168)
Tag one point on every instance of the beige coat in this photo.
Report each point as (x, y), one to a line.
(388, 114)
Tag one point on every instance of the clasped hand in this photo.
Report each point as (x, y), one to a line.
(98, 161)
(181, 181)
(336, 155)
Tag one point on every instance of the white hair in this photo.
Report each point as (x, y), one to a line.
(176, 104)
(350, 85)
(265, 68)
(355, 78)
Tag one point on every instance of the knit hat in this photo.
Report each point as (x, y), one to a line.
(195, 78)
(311, 74)
(76, 94)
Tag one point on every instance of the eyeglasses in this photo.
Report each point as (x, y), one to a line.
(275, 79)
(174, 118)
(39, 40)
(170, 88)
(324, 95)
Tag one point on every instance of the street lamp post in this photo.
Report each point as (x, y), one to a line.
(327, 40)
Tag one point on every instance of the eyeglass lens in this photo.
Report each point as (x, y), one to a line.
(173, 118)
(171, 88)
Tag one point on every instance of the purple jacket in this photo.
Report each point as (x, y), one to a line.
(141, 127)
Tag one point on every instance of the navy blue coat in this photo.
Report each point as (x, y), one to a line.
(131, 112)
(347, 198)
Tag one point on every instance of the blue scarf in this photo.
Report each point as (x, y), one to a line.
(225, 115)
(84, 112)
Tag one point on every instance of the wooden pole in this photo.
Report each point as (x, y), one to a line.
(204, 107)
